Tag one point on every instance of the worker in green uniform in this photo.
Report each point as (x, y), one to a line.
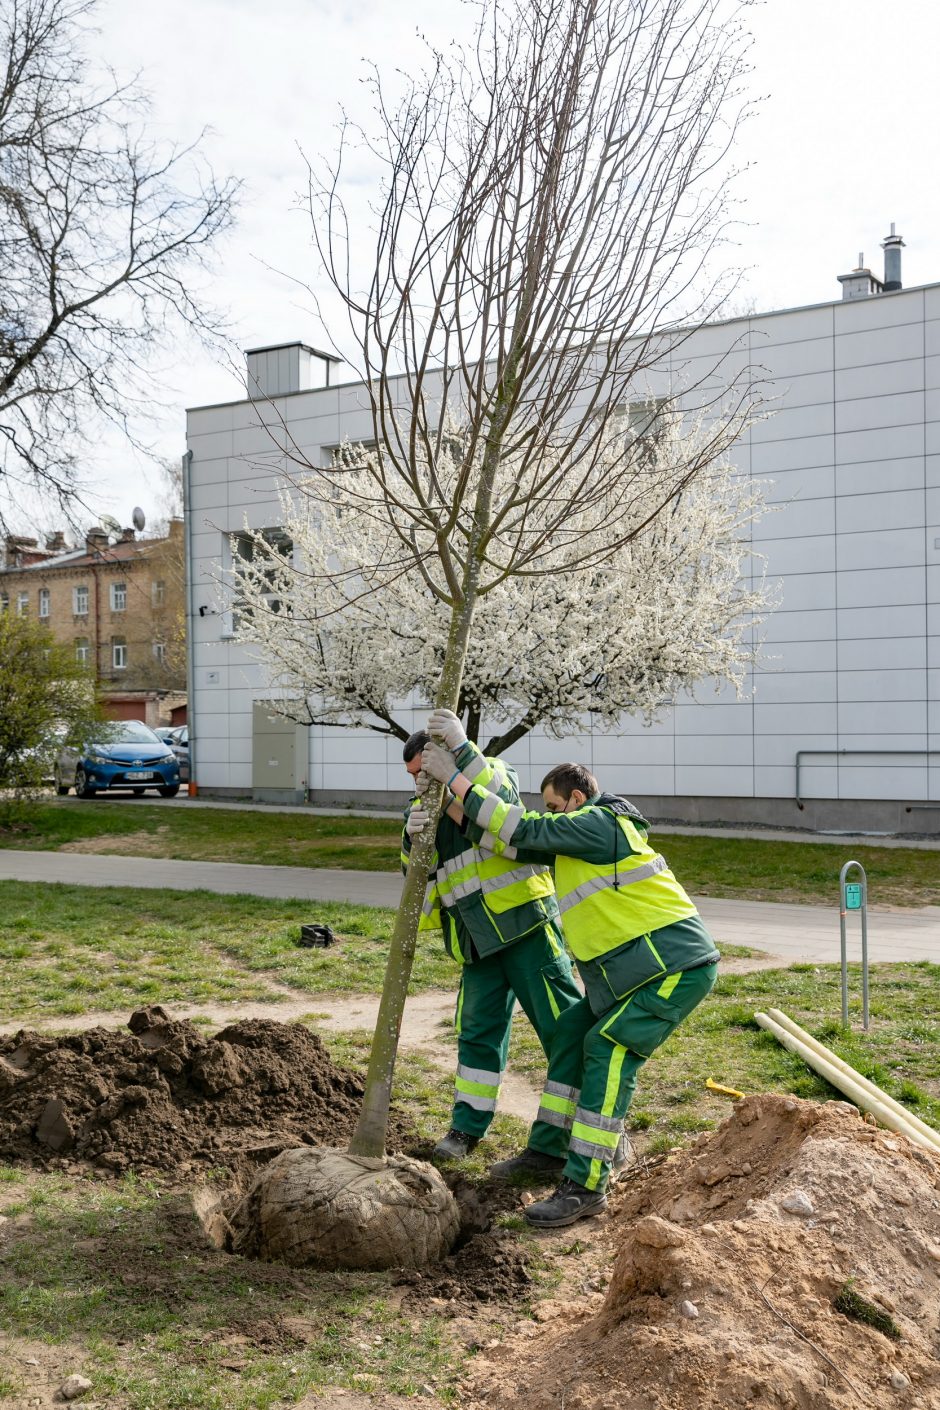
(500, 923)
(644, 956)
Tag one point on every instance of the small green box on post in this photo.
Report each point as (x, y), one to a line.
(853, 895)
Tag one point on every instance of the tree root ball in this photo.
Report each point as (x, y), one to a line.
(330, 1209)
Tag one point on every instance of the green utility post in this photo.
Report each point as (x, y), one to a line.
(854, 897)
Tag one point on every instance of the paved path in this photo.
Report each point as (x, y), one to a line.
(809, 933)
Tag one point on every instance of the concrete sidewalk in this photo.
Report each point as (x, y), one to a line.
(809, 933)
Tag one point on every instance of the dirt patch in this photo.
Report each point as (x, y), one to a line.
(164, 1097)
(128, 844)
(729, 1260)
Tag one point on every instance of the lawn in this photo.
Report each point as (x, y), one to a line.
(754, 870)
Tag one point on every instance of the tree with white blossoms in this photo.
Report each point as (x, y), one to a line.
(672, 607)
(547, 206)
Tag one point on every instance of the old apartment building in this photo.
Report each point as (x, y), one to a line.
(119, 602)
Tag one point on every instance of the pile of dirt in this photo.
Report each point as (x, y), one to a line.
(489, 1268)
(163, 1096)
(790, 1259)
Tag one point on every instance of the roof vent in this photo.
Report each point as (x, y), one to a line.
(892, 245)
(282, 368)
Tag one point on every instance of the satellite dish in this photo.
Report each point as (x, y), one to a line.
(111, 526)
(138, 519)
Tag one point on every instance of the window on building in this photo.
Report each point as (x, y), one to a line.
(4, 602)
(158, 592)
(80, 601)
(118, 597)
(119, 653)
(44, 602)
(246, 551)
(159, 652)
(82, 651)
(22, 603)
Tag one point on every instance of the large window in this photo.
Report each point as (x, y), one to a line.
(82, 650)
(159, 652)
(44, 602)
(246, 550)
(22, 603)
(118, 597)
(4, 602)
(119, 653)
(158, 592)
(80, 601)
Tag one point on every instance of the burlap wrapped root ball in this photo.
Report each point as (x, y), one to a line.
(329, 1209)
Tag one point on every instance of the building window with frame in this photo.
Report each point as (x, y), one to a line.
(247, 550)
(118, 597)
(4, 602)
(22, 603)
(80, 601)
(159, 652)
(158, 592)
(82, 650)
(44, 603)
(119, 653)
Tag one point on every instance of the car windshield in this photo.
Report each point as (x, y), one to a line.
(133, 732)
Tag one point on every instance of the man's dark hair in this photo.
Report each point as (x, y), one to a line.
(565, 778)
(414, 744)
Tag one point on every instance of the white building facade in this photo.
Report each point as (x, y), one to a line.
(839, 726)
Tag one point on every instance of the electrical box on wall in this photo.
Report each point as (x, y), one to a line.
(278, 755)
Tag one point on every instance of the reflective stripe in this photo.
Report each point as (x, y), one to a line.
(466, 859)
(667, 986)
(602, 883)
(551, 1117)
(607, 1124)
(561, 1104)
(513, 818)
(461, 890)
(559, 1089)
(581, 1146)
(458, 1016)
(552, 1001)
(509, 878)
(475, 767)
(472, 1100)
(487, 809)
(430, 900)
(479, 1074)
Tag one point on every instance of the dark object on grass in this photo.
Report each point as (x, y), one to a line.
(859, 1309)
(312, 936)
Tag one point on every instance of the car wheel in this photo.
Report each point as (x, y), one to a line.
(169, 790)
(83, 789)
(60, 787)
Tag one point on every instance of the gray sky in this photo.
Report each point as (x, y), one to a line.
(847, 141)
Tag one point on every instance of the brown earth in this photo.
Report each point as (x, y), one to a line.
(722, 1297)
(164, 1097)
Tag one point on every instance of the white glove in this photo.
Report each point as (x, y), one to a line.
(445, 725)
(422, 783)
(438, 762)
(418, 820)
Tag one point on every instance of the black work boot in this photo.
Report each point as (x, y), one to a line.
(455, 1145)
(569, 1203)
(528, 1162)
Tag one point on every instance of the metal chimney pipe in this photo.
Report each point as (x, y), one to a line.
(892, 245)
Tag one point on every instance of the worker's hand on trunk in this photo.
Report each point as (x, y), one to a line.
(445, 725)
(418, 820)
(422, 783)
(438, 762)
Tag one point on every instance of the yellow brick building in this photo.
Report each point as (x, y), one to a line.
(119, 604)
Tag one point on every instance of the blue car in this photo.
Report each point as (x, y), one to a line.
(126, 755)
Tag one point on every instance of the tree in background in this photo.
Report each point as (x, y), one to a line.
(547, 209)
(47, 699)
(103, 234)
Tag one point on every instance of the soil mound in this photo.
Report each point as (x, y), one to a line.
(163, 1096)
(790, 1259)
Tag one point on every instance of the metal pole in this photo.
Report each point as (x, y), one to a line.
(855, 899)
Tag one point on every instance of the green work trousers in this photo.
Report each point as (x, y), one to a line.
(593, 1067)
(536, 971)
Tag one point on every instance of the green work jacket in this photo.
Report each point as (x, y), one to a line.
(481, 901)
(621, 907)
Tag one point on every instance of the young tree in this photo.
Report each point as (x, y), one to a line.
(102, 233)
(550, 203)
(544, 650)
(46, 699)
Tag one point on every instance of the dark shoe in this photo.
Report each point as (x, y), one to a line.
(455, 1145)
(569, 1203)
(528, 1162)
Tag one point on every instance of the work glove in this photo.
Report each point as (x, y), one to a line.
(423, 782)
(438, 762)
(418, 820)
(445, 725)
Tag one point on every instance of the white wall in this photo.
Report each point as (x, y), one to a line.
(852, 657)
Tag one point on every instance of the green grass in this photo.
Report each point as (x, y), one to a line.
(68, 949)
(756, 870)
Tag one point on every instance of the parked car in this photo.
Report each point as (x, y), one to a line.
(179, 743)
(125, 754)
